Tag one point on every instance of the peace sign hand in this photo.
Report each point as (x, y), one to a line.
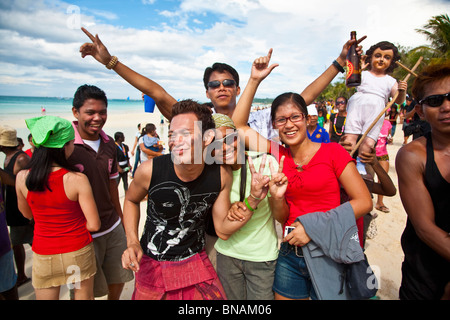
(96, 49)
(260, 182)
(278, 184)
(261, 68)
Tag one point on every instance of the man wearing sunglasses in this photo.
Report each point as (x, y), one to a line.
(423, 168)
(221, 83)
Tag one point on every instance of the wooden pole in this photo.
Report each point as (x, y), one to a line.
(410, 71)
(385, 109)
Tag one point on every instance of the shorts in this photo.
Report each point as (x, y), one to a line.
(108, 253)
(246, 280)
(384, 157)
(22, 234)
(292, 279)
(55, 270)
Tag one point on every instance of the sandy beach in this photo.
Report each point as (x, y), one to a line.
(383, 251)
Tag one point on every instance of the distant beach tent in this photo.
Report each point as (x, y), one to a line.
(149, 104)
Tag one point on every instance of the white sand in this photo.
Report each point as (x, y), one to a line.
(384, 251)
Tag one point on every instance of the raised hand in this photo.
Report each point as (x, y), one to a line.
(260, 182)
(278, 184)
(261, 68)
(96, 49)
(347, 46)
(364, 63)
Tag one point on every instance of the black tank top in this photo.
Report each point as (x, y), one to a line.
(425, 273)
(14, 217)
(176, 211)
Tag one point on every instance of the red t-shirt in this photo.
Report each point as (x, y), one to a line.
(316, 188)
(60, 225)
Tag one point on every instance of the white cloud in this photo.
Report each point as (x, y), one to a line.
(39, 42)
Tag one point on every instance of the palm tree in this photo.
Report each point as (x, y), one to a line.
(437, 31)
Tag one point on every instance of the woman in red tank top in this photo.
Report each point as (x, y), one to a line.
(61, 203)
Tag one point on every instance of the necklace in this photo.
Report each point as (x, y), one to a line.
(299, 165)
(343, 126)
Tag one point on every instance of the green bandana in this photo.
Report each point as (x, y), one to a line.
(222, 120)
(50, 131)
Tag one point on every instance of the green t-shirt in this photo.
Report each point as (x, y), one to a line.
(257, 240)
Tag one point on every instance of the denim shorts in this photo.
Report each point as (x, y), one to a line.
(292, 278)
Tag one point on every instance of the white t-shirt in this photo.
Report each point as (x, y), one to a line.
(93, 144)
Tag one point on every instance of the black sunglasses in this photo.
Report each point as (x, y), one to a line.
(435, 100)
(226, 83)
(228, 139)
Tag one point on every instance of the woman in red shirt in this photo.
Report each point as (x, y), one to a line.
(63, 208)
(315, 171)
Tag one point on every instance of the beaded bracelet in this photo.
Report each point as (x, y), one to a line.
(248, 205)
(112, 63)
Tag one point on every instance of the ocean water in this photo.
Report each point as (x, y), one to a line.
(15, 109)
(26, 107)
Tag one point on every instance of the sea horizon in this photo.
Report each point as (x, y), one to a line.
(12, 106)
(123, 114)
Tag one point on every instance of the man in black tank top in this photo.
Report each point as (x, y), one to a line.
(423, 168)
(181, 189)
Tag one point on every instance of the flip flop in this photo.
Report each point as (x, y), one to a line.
(383, 209)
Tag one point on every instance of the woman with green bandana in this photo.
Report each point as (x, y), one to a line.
(246, 260)
(61, 203)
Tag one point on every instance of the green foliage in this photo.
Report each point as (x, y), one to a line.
(437, 31)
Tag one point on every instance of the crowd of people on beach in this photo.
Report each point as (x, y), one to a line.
(229, 177)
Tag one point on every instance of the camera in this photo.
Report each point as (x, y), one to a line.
(287, 230)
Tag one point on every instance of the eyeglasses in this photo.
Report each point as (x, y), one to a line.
(226, 83)
(294, 118)
(435, 100)
(228, 139)
(340, 102)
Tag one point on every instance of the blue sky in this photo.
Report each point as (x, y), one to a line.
(173, 41)
(143, 14)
